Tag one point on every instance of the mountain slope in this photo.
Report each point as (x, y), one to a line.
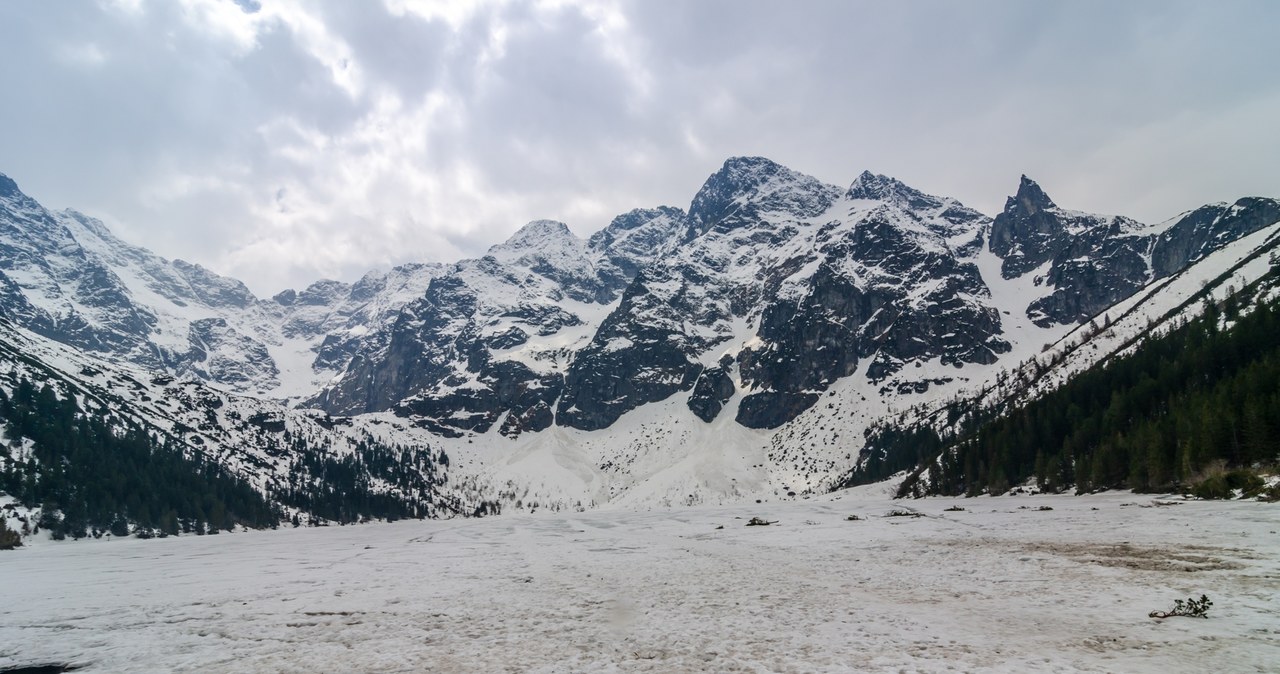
(784, 286)
(65, 276)
(1092, 262)
(305, 464)
(1139, 348)
(491, 337)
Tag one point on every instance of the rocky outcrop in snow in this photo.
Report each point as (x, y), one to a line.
(493, 335)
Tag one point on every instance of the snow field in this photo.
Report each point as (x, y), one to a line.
(1000, 586)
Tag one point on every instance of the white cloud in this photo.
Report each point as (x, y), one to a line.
(241, 28)
(285, 140)
(455, 13)
(316, 38)
(225, 20)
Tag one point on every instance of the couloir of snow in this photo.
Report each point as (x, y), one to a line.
(1001, 586)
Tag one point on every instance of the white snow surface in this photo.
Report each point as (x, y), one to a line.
(999, 587)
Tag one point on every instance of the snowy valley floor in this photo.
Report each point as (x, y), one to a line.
(1001, 586)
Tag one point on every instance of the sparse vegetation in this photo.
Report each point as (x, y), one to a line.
(9, 539)
(760, 522)
(1216, 482)
(1191, 608)
(899, 512)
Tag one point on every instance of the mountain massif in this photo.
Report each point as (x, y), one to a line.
(744, 347)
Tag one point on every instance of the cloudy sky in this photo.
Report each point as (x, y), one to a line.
(280, 141)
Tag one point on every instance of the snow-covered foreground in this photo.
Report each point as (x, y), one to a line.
(1000, 586)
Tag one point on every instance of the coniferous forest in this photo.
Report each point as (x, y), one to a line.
(90, 476)
(91, 472)
(340, 488)
(1184, 410)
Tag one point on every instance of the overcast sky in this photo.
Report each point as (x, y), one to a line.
(281, 141)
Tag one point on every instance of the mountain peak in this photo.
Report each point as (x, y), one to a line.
(8, 188)
(94, 225)
(750, 165)
(870, 185)
(762, 181)
(1029, 200)
(537, 232)
(538, 237)
(741, 175)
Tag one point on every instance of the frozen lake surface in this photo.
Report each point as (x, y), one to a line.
(1001, 586)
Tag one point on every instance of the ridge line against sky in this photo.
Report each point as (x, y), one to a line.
(282, 141)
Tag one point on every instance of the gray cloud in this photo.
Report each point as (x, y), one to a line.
(282, 140)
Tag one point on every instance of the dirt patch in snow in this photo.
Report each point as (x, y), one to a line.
(1188, 558)
(1184, 558)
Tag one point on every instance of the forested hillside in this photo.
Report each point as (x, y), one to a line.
(89, 473)
(1180, 411)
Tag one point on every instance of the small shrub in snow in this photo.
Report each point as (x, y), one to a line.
(1191, 608)
(954, 509)
(853, 518)
(1216, 482)
(1212, 487)
(758, 522)
(9, 539)
(1247, 481)
(903, 513)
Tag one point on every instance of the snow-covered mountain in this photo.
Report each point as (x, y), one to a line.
(737, 349)
(66, 276)
(290, 456)
(492, 337)
(774, 284)
(1092, 262)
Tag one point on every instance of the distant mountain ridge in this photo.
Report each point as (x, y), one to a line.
(795, 282)
(778, 310)
(67, 277)
(1095, 261)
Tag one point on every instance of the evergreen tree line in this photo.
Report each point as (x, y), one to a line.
(891, 449)
(91, 476)
(375, 481)
(1180, 404)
